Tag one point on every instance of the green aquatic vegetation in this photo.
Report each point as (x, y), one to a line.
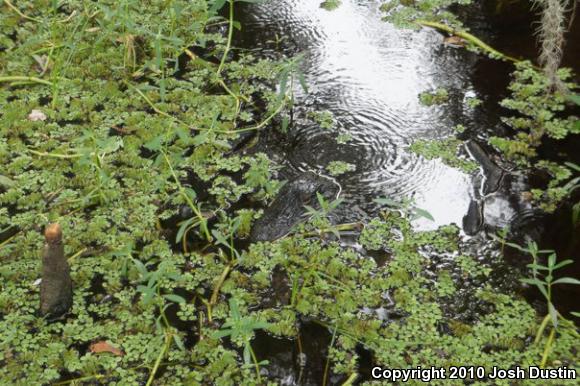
(111, 161)
(330, 5)
(124, 144)
(325, 119)
(337, 168)
(405, 13)
(343, 138)
(564, 181)
(446, 150)
(473, 102)
(241, 330)
(544, 278)
(435, 97)
(538, 113)
(406, 206)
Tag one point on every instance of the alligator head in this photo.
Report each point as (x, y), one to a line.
(287, 209)
(493, 174)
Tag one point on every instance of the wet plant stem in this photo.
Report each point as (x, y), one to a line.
(340, 227)
(327, 366)
(548, 348)
(230, 36)
(253, 354)
(25, 79)
(542, 328)
(468, 37)
(220, 282)
(187, 199)
(55, 155)
(8, 240)
(12, 7)
(300, 353)
(166, 346)
(350, 381)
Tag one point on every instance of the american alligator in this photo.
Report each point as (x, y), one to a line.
(492, 173)
(287, 210)
(492, 178)
(497, 203)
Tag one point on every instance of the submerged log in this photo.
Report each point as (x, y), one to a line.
(56, 284)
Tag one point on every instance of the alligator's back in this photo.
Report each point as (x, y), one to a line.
(288, 208)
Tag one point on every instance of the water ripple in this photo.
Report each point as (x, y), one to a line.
(368, 74)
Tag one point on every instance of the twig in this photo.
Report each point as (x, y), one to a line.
(467, 36)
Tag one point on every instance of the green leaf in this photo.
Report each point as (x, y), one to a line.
(175, 298)
(183, 226)
(247, 356)
(216, 6)
(552, 260)
(140, 267)
(563, 264)
(179, 342)
(6, 182)
(424, 213)
(566, 280)
(222, 333)
(538, 267)
(234, 309)
(284, 124)
(156, 143)
(302, 81)
(388, 202)
(574, 98)
(553, 314)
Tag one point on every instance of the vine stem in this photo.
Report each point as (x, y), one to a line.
(467, 36)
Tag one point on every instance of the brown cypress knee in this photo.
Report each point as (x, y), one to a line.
(56, 284)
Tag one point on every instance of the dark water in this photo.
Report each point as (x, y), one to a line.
(369, 75)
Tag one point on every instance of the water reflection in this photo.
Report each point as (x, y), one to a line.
(369, 74)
